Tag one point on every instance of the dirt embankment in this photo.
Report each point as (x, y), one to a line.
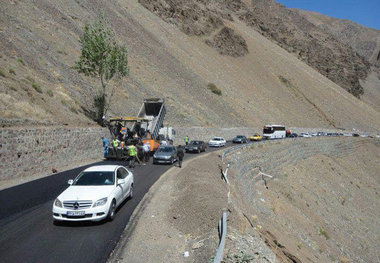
(180, 213)
(321, 204)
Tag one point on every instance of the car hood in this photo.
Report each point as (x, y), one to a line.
(162, 154)
(77, 192)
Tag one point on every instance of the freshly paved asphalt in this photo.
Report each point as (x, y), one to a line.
(27, 232)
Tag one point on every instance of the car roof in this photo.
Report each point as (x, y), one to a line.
(102, 168)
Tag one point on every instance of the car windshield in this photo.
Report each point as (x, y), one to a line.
(216, 139)
(95, 178)
(240, 136)
(165, 149)
(195, 142)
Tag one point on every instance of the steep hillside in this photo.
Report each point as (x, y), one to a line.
(290, 30)
(261, 83)
(364, 40)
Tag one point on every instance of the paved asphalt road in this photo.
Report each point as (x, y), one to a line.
(27, 232)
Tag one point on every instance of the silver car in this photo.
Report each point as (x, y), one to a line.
(165, 154)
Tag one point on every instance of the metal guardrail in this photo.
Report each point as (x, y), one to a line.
(224, 174)
(222, 227)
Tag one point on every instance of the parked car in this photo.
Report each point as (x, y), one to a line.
(240, 139)
(256, 137)
(305, 135)
(293, 135)
(94, 194)
(355, 135)
(217, 142)
(320, 133)
(165, 154)
(196, 146)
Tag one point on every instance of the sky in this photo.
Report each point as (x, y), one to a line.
(364, 12)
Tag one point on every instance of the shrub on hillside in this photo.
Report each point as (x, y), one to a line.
(214, 89)
(37, 87)
(50, 93)
(2, 74)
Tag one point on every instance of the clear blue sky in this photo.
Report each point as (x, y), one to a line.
(364, 12)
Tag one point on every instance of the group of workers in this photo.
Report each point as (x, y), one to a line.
(133, 151)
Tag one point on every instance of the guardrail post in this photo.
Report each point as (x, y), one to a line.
(222, 227)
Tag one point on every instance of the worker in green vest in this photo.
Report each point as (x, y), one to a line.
(133, 155)
(115, 142)
(187, 139)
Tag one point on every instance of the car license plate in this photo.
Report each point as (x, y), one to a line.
(75, 213)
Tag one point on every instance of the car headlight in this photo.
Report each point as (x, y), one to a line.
(100, 202)
(57, 203)
(154, 156)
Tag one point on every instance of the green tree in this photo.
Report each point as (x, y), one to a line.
(102, 58)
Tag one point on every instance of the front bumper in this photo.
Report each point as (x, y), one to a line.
(159, 160)
(192, 149)
(93, 214)
(215, 144)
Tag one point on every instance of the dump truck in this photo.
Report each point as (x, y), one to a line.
(153, 110)
(147, 126)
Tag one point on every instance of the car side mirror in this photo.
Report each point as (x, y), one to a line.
(70, 182)
(120, 181)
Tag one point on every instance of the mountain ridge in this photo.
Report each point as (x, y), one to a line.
(40, 43)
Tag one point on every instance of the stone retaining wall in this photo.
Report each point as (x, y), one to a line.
(31, 151)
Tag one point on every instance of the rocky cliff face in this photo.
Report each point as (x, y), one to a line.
(332, 58)
(364, 40)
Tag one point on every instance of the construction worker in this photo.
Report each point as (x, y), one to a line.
(133, 155)
(106, 144)
(115, 142)
(187, 139)
(146, 149)
(180, 155)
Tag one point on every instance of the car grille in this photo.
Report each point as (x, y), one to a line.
(81, 204)
(76, 217)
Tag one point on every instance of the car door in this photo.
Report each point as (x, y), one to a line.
(174, 153)
(121, 185)
(128, 181)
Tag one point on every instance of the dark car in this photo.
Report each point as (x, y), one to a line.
(240, 139)
(293, 135)
(196, 146)
(165, 154)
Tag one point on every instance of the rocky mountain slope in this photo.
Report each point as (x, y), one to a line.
(290, 30)
(364, 40)
(258, 81)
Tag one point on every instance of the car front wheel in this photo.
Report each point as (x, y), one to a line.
(131, 192)
(111, 211)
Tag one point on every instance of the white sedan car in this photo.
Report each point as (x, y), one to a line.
(94, 194)
(217, 142)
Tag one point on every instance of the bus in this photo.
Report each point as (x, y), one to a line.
(274, 132)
